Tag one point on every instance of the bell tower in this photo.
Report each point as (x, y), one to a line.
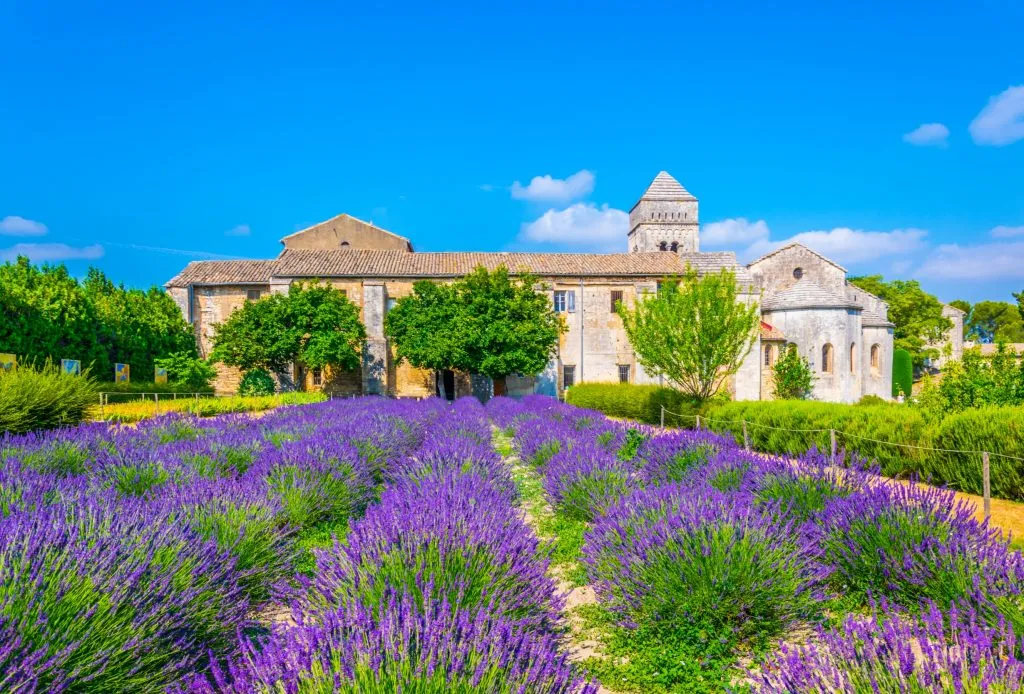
(664, 218)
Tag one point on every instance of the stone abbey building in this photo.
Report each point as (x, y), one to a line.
(804, 298)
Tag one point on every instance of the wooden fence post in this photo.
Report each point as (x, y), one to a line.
(986, 486)
(698, 422)
(102, 408)
(746, 439)
(832, 436)
(662, 416)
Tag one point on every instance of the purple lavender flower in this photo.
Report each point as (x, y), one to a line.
(584, 478)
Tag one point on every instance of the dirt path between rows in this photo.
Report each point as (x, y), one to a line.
(534, 507)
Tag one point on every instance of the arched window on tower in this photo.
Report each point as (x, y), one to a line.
(663, 246)
(875, 358)
(674, 247)
(853, 357)
(826, 358)
(768, 355)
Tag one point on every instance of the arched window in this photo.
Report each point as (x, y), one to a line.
(875, 356)
(344, 243)
(826, 359)
(853, 357)
(767, 355)
(674, 247)
(663, 246)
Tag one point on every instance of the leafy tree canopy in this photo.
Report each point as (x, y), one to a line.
(313, 325)
(792, 375)
(993, 321)
(693, 332)
(916, 314)
(47, 313)
(1019, 296)
(487, 323)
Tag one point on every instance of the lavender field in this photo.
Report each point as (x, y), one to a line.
(374, 545)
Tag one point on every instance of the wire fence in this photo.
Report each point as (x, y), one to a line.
(835, 435)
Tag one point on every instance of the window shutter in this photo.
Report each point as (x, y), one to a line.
(572, 300)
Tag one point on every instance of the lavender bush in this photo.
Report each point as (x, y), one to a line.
(584, 479)
(937, 653)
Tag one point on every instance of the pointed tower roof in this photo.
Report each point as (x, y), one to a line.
(664, 187)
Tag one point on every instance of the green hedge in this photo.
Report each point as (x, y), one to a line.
(902, 373)
(642, 403)
(43, 398)
(869, 431)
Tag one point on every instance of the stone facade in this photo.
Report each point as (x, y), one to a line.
(951, 348)
(375, 268)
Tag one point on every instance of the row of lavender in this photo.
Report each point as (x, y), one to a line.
(694, 538)
(140, 559)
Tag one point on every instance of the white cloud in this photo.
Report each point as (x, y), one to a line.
(928, 135)
(851, 246)
(548, 189)
(1005, 232)
(240, 230)
(13, 225)
(1001, 122)
(50, 252)
(583, 226)
(732, 232)
(982, 263)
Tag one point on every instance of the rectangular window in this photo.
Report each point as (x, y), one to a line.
(318, 377)
(623, 373)
(391, 303)
(616, 299)
(252, 295)
(568, 376)
(565, 301)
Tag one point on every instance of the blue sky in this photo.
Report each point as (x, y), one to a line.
(136, 137)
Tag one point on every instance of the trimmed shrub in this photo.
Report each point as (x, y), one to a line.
(902, 373)
(257, 382)
(642, 403)
(33, 398)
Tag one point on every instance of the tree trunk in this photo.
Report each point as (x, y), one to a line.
(440, 384)
(499, 386)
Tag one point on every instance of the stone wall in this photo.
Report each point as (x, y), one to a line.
(343, 232)
(654, 221)
(776, 272)
(877, 380)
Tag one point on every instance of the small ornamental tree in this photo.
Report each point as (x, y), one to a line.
(902, 373)
(186, 369)
(312, 325)
(486, 323)
(792, 375)
(426, 329)
(694, 331)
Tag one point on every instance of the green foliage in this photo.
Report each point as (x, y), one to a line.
(774, 427)
(47, 314)
(125, 413)
(653, 659)
(313, 325)
(872, 400)
(694, 331)
(994, 321)
(902, 373)
(34, 398)
(187, 371)
(976, 382)
(792, 375)
(916, 314)
(634, 439)
(1019, 296)
(131, 390)
(256, 382)
(642, 403)
(486, 323)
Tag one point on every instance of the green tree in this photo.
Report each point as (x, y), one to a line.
(916, 314)
(487, 323)
(902, 373)
(1019, 296)
(186, 369)
(996, 321)
(312, 325)
(792, 375)
(694, 331)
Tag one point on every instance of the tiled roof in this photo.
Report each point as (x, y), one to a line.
(224, 272)
(770, 332)
(366, 263)
(805, 294)
(296, 263)
(664, 187)
(871, 319)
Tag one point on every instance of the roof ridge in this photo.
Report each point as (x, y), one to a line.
(353, 217)
(792, 244)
